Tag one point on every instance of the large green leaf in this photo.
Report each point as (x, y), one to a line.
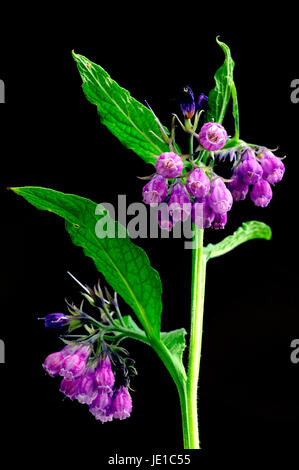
(128, 119)
(125, 266)
(220, 95)
(248, 231)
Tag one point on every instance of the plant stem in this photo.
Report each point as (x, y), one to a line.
(197, 307)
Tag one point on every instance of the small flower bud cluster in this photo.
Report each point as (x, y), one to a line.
(101, 380)
(187, 102)
(90, 382)
(258, 171)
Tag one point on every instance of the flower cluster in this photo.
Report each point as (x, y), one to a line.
(93, 369)
(90, 380)
(183, 186)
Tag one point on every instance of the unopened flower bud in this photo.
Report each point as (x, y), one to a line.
(212, 136)
(202, 102)
(56, 321)
(273, 168)
(187, 103)
(179, 204)
(220, 221)
(169, 165)
(121, 403)
(198, 184)
(202, 214)
(249, 170)
(154, 192)
(220, 198)
(261, 193)
(238, 188)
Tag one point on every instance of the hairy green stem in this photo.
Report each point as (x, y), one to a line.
(197, 308)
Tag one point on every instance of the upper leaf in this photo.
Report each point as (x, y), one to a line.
(125, 266)
(248, 231)
(220, 95)
(129, 120)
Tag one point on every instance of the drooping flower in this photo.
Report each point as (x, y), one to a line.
(179, 204)
(202, 214)
(261, 193)
(154, 192)
(101, 406)
(104, 376)
(87, 387)
(121, 403)
(273, 167)
(74, 364)
(70, 387)
(212, 136)
(249, 170)
(220, 221)
(169, 165)
(164, 217)
(53, 362)
(220, 198)
(238, 188)
(198, 183)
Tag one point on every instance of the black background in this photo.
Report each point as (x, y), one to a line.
(51, 136)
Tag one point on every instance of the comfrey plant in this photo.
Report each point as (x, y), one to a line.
(95, 369)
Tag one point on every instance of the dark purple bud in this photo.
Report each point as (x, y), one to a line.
(179, 204)
(74, 364)
(212, 136)
(154, 192)
(187, 102)
(169, 165)
(87, 388)
(101, 406)
(220, 221)
(249, 170)
(198, 184)
(164, 218)
(70, 387)
(56, 321)
(237, 188)
(104, 376)
(202, 214)
(273, 168)
(220, 198)
(53, 362)
(261, 193)
(121, 403)
(202, 102)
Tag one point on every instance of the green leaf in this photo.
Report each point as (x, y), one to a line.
(125, 266)
(220, 95)
(236, 111)
(173, 340)
(128, 119)
(248, 231)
